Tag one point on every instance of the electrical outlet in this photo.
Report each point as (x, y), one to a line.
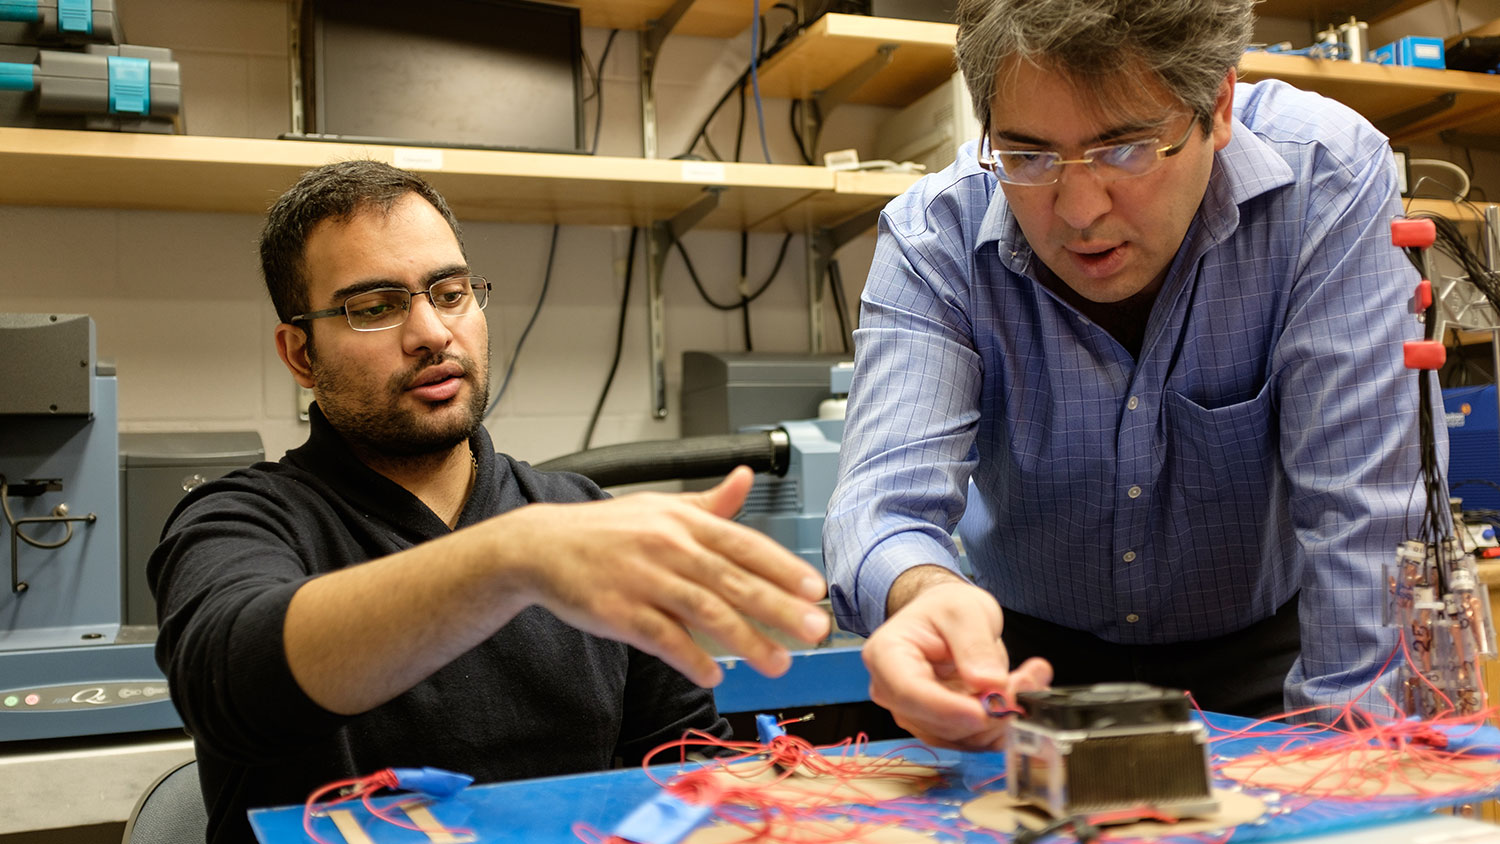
(1402, 155)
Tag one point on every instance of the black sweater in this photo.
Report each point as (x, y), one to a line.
(538, 698)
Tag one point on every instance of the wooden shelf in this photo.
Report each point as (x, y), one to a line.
(240, 175)
(1463, 213)
(712, 18)
(727, 18)
(1325, 12)
(1467, 337)
(923, 58)
(853, 193)
(1382, 91)
(837, 44)
(190, 173)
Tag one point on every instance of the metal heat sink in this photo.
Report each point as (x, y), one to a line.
(1108, 748)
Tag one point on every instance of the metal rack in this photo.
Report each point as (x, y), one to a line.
(1461, 304)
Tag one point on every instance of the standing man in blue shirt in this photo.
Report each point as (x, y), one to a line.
(1145, 340)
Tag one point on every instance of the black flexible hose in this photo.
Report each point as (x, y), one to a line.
(670, 460)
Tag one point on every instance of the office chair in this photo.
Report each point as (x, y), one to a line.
(171, 811)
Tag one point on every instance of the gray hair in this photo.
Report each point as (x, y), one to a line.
(1188, 44)
(332, 192)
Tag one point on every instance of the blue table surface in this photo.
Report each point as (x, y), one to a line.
(544, 811)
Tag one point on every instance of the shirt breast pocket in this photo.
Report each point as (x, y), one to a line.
(1224, 454)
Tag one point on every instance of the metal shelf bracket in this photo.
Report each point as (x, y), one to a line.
(659, 239)
(840, 91)
(822, 244)
(651, 39)
(659, 234)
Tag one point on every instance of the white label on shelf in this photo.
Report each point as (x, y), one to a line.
(412, 158)
(702, 171)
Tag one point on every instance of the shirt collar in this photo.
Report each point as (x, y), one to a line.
(1244, 169)
(328, 455)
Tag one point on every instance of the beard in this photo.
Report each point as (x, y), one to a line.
(374, 419)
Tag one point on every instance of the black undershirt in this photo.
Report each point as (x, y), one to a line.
(1125, 320)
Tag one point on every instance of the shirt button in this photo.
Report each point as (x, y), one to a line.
(1129, 556)
(1133, 403)
(1132, 618)
(1134, 492)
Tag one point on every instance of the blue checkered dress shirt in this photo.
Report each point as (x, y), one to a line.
(1264, 443)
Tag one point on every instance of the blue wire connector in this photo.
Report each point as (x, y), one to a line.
(766, 728)
(433, 782)
(19, 10)
(665, 819)
(15, 76)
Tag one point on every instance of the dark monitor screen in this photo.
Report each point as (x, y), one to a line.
(488, 73)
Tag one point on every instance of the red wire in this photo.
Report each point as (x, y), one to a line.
(1356, 763)
(364, 788)
(767, 814)
(1355, 753)
(312, 806)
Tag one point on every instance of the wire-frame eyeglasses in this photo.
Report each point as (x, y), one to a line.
(1035, 167)
(388, 307)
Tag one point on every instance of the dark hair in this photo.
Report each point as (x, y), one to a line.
(332, 192)
(1188, 45)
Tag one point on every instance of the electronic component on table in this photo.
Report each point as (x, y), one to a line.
(129, 88)
(1433, 591)
(1476, 53)
(69, 22)
(1437, 601)
(1411, 51)
(1323, 49)
(1347, 42)
(1354, 34)
(1107, 748)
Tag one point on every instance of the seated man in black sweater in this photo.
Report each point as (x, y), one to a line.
(395, 593)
